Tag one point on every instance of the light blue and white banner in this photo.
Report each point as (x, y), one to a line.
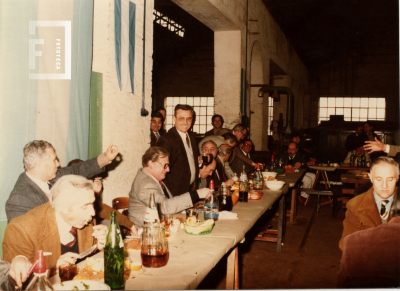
(45, 68)
(124, 17)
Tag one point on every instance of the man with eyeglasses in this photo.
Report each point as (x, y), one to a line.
(240, 131)
(237, 164)
(184, 154)
(149, 179)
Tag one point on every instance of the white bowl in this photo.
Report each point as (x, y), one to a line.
(80, 284)
(274, 185)
(268, 174)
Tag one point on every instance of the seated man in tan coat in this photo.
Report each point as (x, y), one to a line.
(372, 208)
(58, 226)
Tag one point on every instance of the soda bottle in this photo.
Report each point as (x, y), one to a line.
(243, 189)
(211, 204)
(151, 214)
(364, 160)
(257, 178)
(114, 256)
(352, 159)
(225, 199)
(272, 165)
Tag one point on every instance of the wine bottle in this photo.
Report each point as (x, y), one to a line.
(114, 256)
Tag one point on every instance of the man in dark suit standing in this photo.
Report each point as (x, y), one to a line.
(157, 121)
(182, 146)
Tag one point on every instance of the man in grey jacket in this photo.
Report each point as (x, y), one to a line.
(32, 188)
(148, 180)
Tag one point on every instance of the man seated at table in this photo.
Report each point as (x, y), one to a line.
(359, 152)
(378, 146)
(371, 257)
(217, 122)
(219, 174)
(58, 226)
(148, 180)
(372, 208)
(354, 140)
(14, 274)
(211, 146)
(42, 171)
(237, 164)
(294, 158)
(156, 123)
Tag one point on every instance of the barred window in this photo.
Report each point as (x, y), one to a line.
(353, 108)
(203, 106)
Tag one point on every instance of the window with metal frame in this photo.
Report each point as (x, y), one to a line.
(203, 107)
(353, 108)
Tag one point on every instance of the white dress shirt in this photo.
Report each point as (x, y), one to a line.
(64, 230)
(189, 153)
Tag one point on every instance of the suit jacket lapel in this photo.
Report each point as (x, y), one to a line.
(52, 238)
(36, 188)
(368, 206)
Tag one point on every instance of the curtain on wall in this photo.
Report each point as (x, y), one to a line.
(45, 67)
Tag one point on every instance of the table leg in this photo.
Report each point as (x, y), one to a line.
(293, 205)
(327, 180)
(230, 269)
(280, 223)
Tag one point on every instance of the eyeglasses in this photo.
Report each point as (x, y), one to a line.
(165, 166)
(247, 145)
(187, 119)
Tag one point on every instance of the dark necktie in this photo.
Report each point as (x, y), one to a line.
(164, 189)
(384, 212)
(73, 232)
(187, 140)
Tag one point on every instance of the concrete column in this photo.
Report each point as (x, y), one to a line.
(227, 60)
(122, 123)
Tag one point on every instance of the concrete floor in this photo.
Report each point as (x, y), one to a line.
(306, 261)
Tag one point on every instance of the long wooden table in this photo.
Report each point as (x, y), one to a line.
(192, 257)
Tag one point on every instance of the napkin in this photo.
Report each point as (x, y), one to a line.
(227, 215)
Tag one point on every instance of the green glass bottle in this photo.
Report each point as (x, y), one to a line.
(114, 256)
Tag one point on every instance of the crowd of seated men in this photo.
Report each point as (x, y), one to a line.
(63, 204)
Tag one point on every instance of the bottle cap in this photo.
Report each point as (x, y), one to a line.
(257, 166)
(212, 185)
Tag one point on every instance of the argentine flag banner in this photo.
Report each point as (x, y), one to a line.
(124, 13)
(45, 70)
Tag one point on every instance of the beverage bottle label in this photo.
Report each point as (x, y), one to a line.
(211, 210)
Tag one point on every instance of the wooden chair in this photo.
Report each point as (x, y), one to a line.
(121, 203)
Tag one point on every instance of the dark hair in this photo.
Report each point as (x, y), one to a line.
(152, 154)
(74, 162)
(369, 123)
(159, 108)
(230, 137)
(295, 134)
(157, 114)
(183, 107)
(215, 116)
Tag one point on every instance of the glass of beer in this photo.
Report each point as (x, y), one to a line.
(154, 248)
(167, 220)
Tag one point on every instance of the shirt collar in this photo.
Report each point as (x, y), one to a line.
(44, 186)
(151, 176)
(378, 201)
(63, 230)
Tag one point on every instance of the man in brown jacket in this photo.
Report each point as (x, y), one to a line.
(58, 226)
(372, 208)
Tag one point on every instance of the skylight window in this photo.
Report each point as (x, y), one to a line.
(166, 22)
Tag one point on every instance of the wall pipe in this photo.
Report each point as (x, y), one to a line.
(143, 111)
(290, 102)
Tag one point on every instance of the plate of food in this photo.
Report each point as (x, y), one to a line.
(81, 285)
(255, 195)
(92, 269)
